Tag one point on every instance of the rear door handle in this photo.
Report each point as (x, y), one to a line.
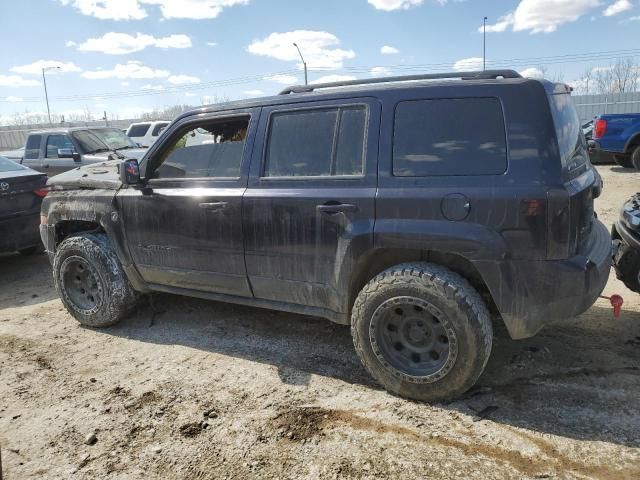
(330, 209)
(213, 206)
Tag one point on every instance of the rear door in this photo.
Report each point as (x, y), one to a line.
(309, 208)
(32, 157)
(184, 229)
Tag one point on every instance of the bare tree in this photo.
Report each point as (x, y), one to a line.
(619, 77)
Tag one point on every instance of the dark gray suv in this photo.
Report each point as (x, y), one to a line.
(412, 208)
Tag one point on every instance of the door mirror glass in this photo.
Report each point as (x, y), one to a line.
(68, 153)
(129, 172)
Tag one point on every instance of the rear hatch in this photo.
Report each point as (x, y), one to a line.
(18, 185)
(573, 216)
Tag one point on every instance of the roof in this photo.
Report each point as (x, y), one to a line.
(369, 87)
(43, 131)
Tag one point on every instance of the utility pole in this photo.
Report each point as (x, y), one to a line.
(46, 95)
(484, 44)
(303, 63)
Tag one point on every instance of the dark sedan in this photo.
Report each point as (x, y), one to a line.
(21, 193)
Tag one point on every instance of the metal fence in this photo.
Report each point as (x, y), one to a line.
(590, 105)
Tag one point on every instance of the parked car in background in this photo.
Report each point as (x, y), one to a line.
(146, 133)
(619, 135)
(21, 193)
(57, 150)
(15, 155)
(408, 210)
(626, 244)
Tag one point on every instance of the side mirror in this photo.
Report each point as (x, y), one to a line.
(68, 153)
(129, 172)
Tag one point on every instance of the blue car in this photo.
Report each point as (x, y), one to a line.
(619, 135)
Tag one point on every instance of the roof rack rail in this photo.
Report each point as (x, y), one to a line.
(475, 75)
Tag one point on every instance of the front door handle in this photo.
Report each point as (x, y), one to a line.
(213, 206)
(333, 208)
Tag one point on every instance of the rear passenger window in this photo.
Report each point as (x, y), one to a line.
(449, 137)
(32, 149)
(319, 142)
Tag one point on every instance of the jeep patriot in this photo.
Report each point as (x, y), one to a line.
(414, 209)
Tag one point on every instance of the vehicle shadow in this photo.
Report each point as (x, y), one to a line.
(619, 169)
(25, 280)
(578, 379)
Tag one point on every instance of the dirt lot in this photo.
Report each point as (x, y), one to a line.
(192, 389)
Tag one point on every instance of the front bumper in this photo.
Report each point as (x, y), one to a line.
(531, 294)
(19, 232)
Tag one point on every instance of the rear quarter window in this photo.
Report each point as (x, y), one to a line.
(452, 136)
(571, 142)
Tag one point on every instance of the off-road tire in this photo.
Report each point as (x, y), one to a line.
(626, 263)
(635, 158)
(465, 312)
(114, 296)
(623, 161)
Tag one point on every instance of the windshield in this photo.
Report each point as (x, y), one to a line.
(7, 165)
(103, 140)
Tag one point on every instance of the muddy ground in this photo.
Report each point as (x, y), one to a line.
(188, 389)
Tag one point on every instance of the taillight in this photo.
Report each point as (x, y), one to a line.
(558, 224)
(41, 192)
(600, 128)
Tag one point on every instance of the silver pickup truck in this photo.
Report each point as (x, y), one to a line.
(57, 150)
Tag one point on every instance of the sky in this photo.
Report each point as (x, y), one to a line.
(126, 57)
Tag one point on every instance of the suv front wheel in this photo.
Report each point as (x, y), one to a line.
(90, 281)
(422, 331)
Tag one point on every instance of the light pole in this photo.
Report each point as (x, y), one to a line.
(46, 95)
(484, 44)
(303, 63)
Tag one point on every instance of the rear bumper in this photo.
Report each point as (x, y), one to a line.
(19, 232)
(531, 294)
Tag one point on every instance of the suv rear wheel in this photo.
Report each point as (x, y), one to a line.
(90, 281)
(422, 331)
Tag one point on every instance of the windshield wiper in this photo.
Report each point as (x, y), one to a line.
(100, 150)
(123, 148)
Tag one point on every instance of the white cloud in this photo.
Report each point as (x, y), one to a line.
(617, 7)
(183, 80)
(156, 88)
(389, 50)
(189, 94)
(334, 78)
(531, 72)
(13, 99)
(131, 69)
(193, 9)
(109, 9)
(35, 68)
(318, 48)
(253, 93)
(468, 64)
(211, 44)
(542, 16)
(389, 5)
(283, 79)
(17, 81)
(134, 9)
(380, 72)
(114, 43)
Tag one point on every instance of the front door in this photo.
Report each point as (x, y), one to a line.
(309, 207)
(53, 163)
(184, 229)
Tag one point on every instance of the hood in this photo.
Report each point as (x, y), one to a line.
(95, 175)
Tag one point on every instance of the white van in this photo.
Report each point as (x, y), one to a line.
(146, 133)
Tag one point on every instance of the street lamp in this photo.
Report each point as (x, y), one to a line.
(484, 44)
(303, 63)
(46, 95)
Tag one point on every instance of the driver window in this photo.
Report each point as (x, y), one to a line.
(211, 149)
(54, 142)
